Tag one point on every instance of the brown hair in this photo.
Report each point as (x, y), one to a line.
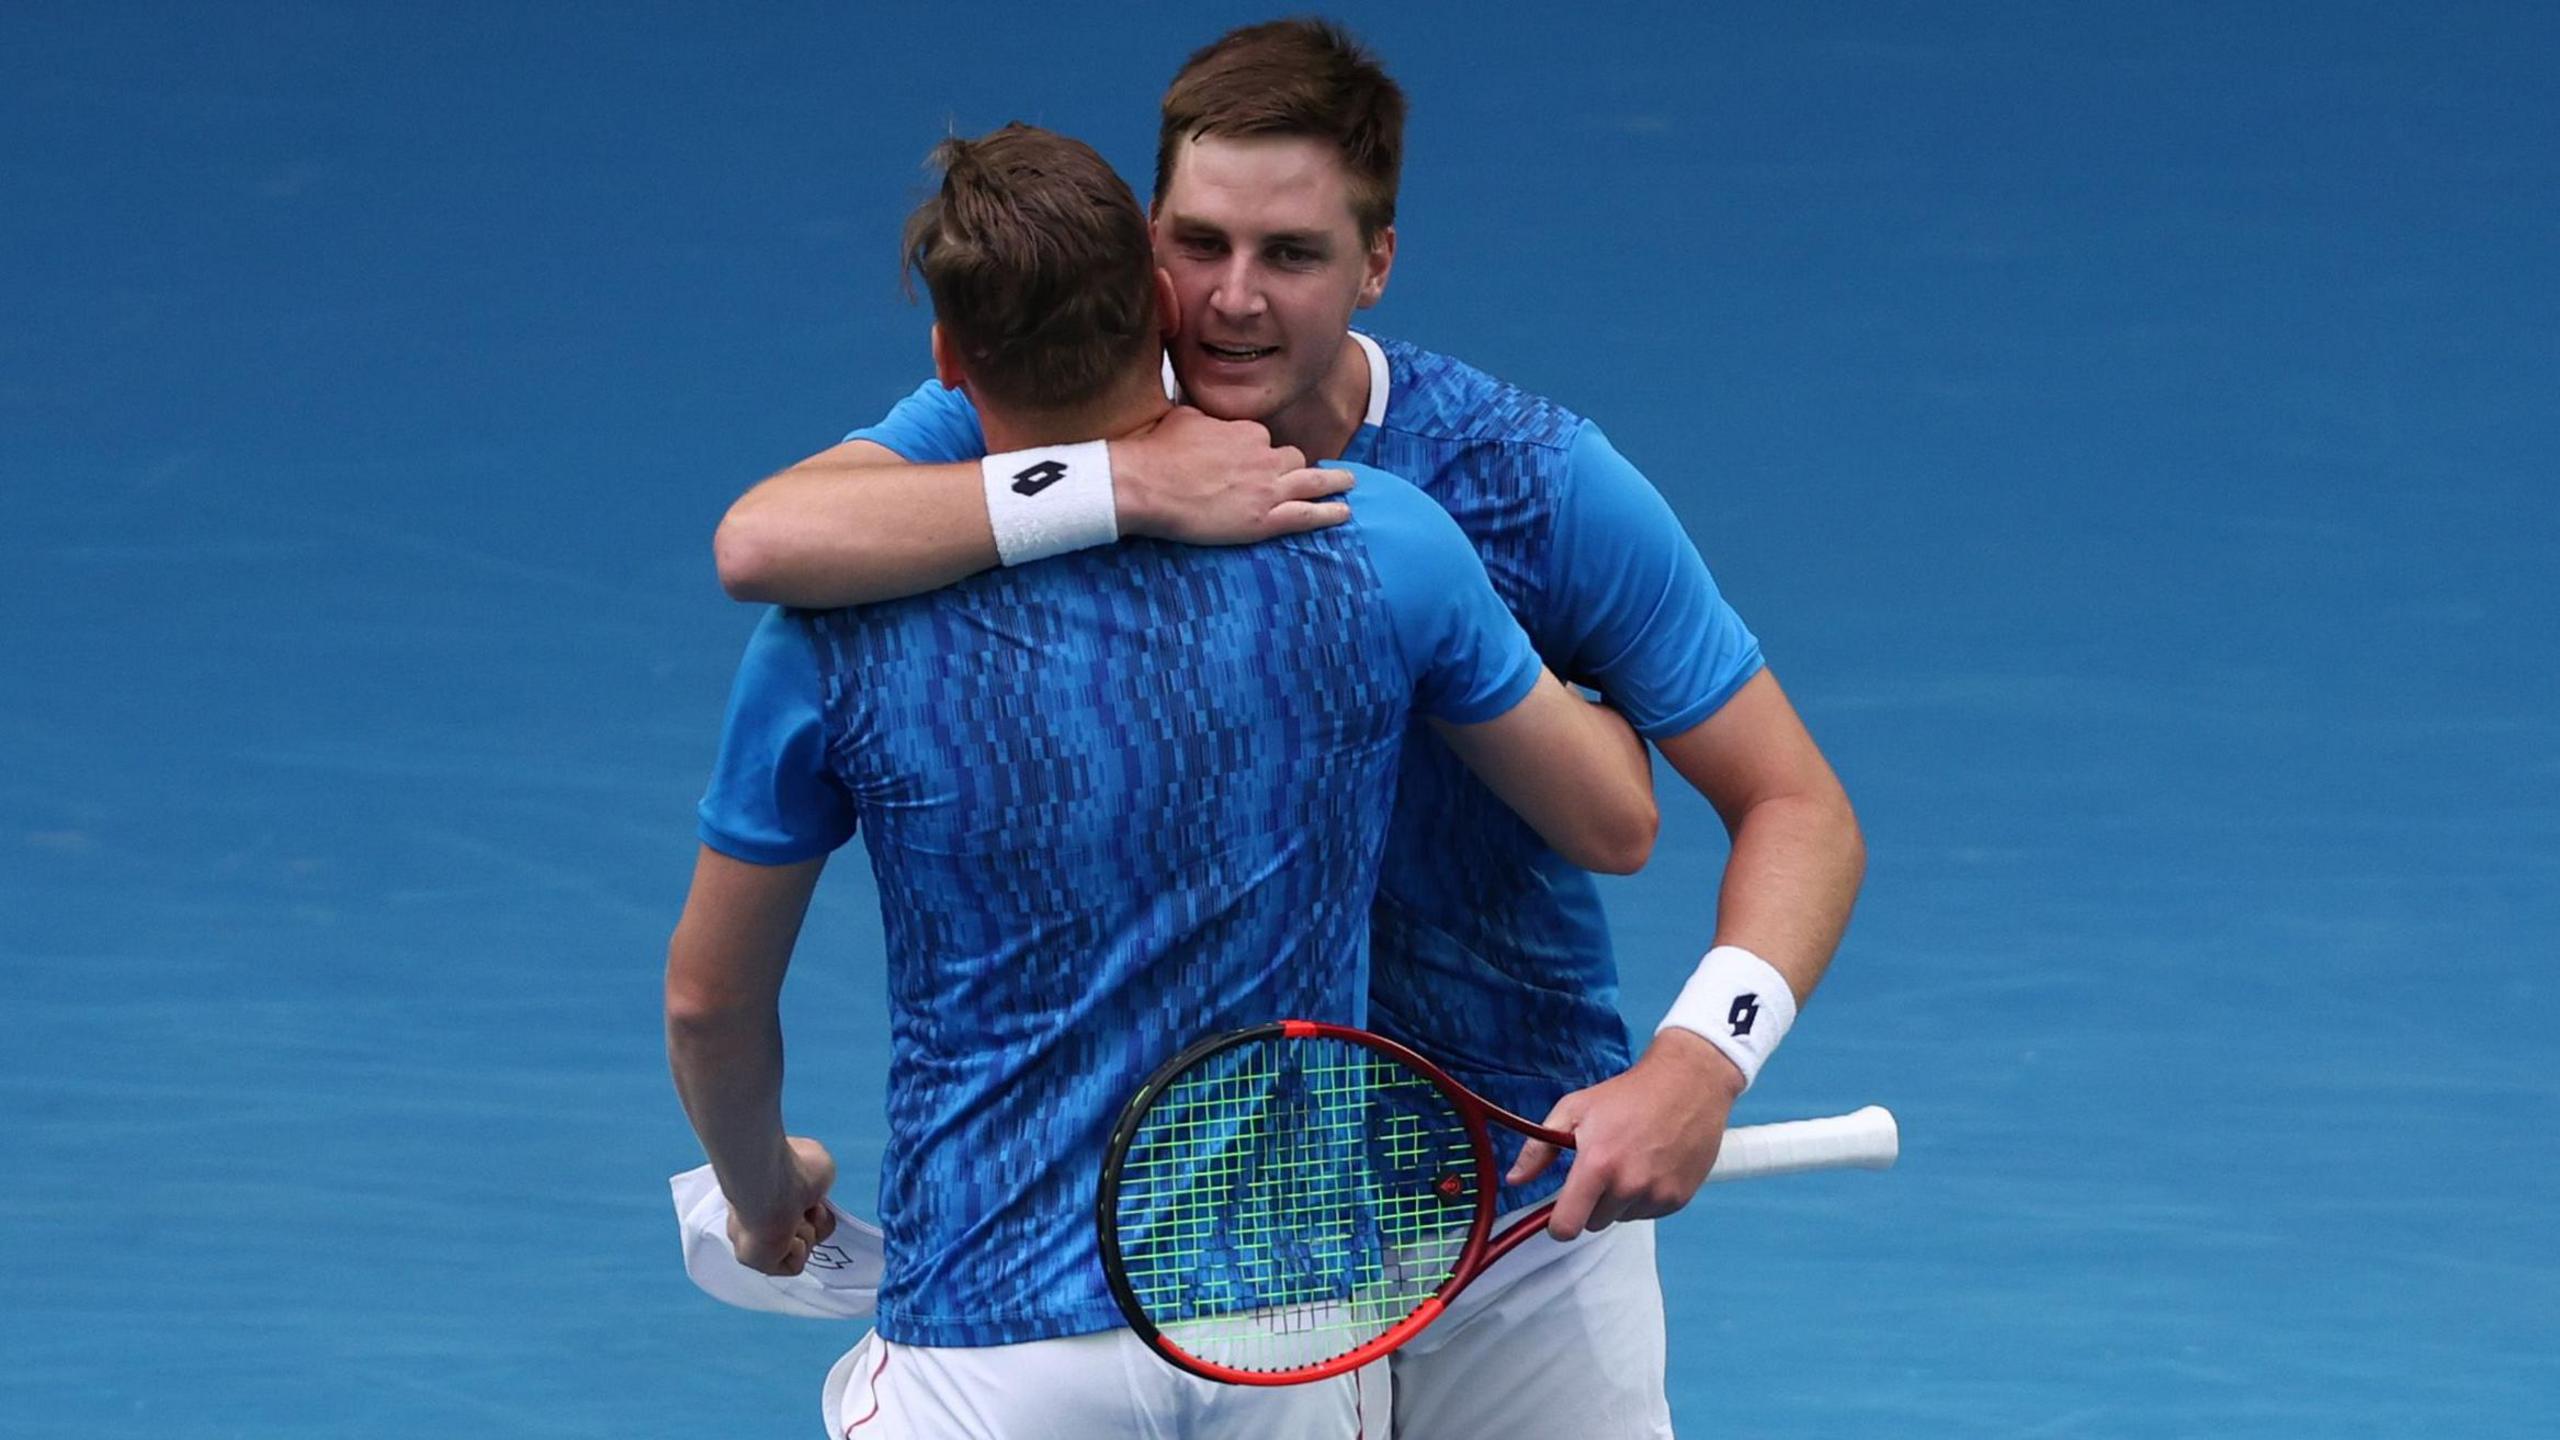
(1294, 77)
(1036, 255)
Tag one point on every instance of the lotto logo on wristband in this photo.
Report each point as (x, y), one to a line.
(1746, 1008)
(1038, 478)
(1738, 1003)
(1049, 501)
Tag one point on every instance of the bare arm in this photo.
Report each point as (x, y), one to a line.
(851, 524)
(1646, 1139)
(724, 1042)
(856, 523)
(1798, 858)
(1573, 770)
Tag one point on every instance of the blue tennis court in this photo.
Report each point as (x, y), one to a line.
(2131, 430)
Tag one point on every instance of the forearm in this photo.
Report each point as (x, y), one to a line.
(728, 1072)
(1610, 772)
(1790, 883)
(849, 530)
(1574, 770)
(1797, 857)
(857, 523)
(725, 966)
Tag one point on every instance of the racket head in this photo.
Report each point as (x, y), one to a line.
(1290, 1202)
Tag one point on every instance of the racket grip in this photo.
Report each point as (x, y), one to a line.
(1865, 1139)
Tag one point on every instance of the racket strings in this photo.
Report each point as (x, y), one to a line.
(1291, 1199)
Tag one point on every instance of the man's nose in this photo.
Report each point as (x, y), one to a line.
(1238, 292)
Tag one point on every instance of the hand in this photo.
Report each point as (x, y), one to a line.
(1643, 1141)
(778, 1239)
(1219, 482)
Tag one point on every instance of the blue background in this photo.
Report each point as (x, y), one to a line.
(2131, 430)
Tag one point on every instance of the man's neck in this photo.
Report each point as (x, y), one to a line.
(1132, 404)
(1322, 423)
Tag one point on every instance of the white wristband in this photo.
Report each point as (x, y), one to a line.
(1739, 1003)
(1049, 501)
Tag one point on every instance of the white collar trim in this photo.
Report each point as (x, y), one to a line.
(1378, 379)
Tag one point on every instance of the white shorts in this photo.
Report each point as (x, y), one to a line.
(1557, 1339)
(1107, 1384)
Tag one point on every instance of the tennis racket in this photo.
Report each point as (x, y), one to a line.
(1290, 1202)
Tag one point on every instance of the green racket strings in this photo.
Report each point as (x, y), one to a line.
(1286, 1201)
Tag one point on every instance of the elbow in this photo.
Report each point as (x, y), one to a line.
(1621, 841)
(700, 1002)
(703, 1025)
(1853, 846)
(745, 560)
(1632, 846)
(691, 1012)
(1832, 828)
(693, 1009)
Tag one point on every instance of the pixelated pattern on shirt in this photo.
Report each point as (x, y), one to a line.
(1489, 951)
(1089, 789)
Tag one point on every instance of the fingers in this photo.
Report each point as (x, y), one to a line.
(1573, 1203)
(774, 1246)
(1296, 517)
(772, 1254)
(1535, 1154)
(794, 1256)
(1314, 484)
(1535, 1157)
(817, 1177)
(1608, 1208)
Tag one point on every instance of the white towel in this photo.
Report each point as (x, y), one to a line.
(842, 1281)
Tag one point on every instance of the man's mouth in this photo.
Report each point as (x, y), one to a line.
(1238, 354)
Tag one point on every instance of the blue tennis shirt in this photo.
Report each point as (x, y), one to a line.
(1114, 801)
(1490, 952)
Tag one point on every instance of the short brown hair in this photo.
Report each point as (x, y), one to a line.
(1036, 255)
(1294, 77)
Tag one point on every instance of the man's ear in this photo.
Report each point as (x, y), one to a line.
(1380, 260)
(946, 361)
(1168, 306)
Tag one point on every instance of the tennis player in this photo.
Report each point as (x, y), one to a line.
(1113, 801)
(1276, 177)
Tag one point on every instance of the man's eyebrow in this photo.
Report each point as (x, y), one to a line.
(1182, 224)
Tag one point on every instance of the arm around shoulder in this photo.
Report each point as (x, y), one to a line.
(853, 524)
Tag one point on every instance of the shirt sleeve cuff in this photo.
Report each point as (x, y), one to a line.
(759, 850)
(1500, 700)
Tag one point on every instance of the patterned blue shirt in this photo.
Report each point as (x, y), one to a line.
(1490, 951)
(1114, 801)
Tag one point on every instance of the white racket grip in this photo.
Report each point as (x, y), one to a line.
(1865, 1139)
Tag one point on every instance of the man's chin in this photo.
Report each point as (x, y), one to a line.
(1225, 399)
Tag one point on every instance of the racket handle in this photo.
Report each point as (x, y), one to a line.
(1865, 1139)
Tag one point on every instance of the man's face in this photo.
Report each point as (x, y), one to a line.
(1267, 265)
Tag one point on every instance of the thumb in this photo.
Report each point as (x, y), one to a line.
(817, 1167)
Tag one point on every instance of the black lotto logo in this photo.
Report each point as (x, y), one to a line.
(1746, 1009)
(1038, 478)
